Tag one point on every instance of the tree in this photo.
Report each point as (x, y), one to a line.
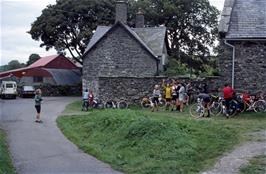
(33, 58)
(191, 25)
(69, 24)
(15, 64)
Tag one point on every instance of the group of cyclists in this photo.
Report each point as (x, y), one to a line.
(176, 95)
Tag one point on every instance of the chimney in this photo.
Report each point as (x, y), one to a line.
(140, 19)
(121, 11)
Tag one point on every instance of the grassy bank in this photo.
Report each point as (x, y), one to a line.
(137, 141)
(256, 166)
(6, 166)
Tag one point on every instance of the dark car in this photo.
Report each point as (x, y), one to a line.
(27, 91)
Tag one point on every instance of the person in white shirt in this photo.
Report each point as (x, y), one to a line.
(181, 97)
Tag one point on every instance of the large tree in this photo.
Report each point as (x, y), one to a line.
(69, 24)
(33, 58)
(191, 25)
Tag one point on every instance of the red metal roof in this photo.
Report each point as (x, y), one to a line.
(62, 62)
(43, 61)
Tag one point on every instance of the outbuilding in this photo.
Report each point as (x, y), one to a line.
(52, 70)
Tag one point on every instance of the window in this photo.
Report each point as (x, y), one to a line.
(9, 85)
(37, 79)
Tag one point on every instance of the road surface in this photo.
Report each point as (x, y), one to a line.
(42, 148)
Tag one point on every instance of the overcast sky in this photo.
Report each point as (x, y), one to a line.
(16, 18)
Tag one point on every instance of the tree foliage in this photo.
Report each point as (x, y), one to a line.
(13, 64)
(33, 58)
(69, 24)
(191, 25)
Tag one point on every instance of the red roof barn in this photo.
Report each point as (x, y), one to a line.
(54, 70)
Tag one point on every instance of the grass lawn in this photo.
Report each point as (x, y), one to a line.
(256, 166)
(139, 141)
(6, 166)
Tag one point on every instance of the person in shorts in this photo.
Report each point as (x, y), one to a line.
(174, 95)
(167, 85)
(38, 100)
(155, 98)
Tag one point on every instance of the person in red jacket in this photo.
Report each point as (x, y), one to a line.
(91, 98)
(229, 93)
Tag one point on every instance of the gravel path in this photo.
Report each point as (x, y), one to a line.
(231, 162)
(42, 148)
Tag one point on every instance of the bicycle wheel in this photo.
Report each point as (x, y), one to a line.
(196, 110)
(216, 108)
(122, 105)
(145, 103)
(109, 104)
(232, 108)
(243, 107)
(259, 106)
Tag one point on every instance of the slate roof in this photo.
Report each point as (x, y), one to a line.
(151, 38)
(65, 76)
(244, 19)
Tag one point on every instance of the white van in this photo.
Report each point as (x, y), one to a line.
(8, 89)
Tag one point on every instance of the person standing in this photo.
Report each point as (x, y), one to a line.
(181, 97)
(91, 98)
(168, 93)
(85, 98)
(38, 101)
(155, 98)
(174, 95)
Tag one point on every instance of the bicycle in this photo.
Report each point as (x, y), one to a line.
(147, 102)
(254, 104)
(85, 105)
(122, 104)
(197, 110)
(97, 104)
(216, 106)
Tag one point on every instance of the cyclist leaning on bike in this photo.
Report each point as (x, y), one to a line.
(229, 94)
(206, 101)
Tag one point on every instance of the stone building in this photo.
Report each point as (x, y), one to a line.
(122, 51)
(243, 31)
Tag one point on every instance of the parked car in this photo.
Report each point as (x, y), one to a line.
(8, 89)
(27, 91)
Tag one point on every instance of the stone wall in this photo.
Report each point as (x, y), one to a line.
(133, 89)
(64, 90)
(122, 56)
(250, 66)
